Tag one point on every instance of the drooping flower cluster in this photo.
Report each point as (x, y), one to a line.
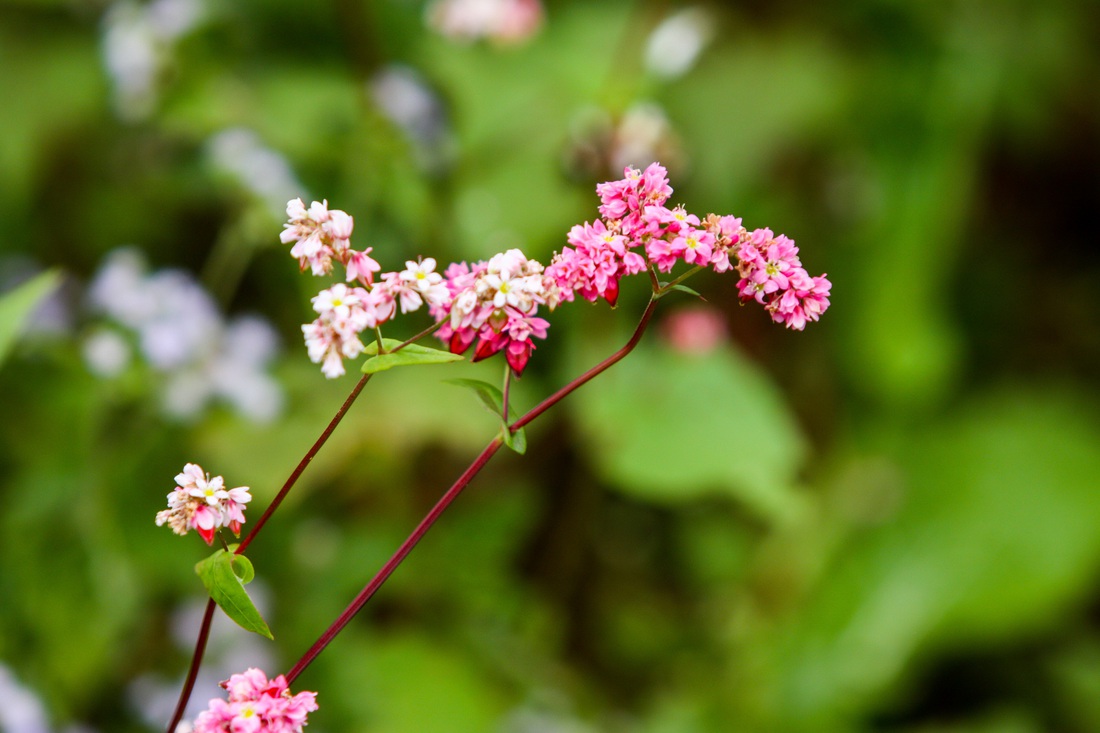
(636, 220)
(494, 303)
(257, 705)
(771, 274)
(203, 504)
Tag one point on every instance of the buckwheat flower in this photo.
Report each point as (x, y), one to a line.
(805, 301)
(257, 705)
(202, 503)
(360, 266)
(319, 235)
(340, 302)
(329, 341)
(423, 278)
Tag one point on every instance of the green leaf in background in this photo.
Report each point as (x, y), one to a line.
(997, 535)
(16, 306)
(493, 399)
(666, 426)
(225, 574)
(412, 354)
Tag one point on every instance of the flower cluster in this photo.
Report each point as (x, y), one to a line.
(203, 504)
(494, 303)
(636, 220)
(320, 235)
(771, 274)
(257, 705)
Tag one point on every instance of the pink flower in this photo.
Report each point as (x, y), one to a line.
(257, 705)
(360, 266)
(320, 235)
(203, 504)
(494, 304)
(694, 330)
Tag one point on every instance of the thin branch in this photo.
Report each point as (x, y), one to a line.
(452, 493)
(204, 630)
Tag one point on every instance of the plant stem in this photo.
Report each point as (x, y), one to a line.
(452, 493)
(204, 630)
(193, 672)
(391, 565)
(306, 460)
(430, 329)
(593, 372)
(669, 286)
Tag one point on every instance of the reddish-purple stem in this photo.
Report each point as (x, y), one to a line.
(391, 565)
(452, 493)
(204, 630)
(196, 660)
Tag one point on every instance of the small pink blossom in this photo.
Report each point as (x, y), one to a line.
(257, 705)
(202, 503)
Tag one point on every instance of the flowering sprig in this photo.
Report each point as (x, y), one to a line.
(203, 504)
(493, 304)
(257, 705)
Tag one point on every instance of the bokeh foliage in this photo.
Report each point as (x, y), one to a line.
(890, 522)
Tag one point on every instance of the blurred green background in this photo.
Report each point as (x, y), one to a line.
(890, 522)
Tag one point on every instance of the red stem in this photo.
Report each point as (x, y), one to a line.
(391, 565)
(196, 660)
(452, 493)
(204, 630)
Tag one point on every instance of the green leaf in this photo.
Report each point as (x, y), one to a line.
(997, 536)
(493, 400)
(16, 306)
(224, 575)
(409, 355)
(670, 427)
(686, 289)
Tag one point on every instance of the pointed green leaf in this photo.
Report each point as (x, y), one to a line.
(407, 356)
(488, 394)
(686, 289)
(17, 305)
(493, 399)
(224, 575)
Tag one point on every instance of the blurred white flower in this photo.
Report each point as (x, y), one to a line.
(20, 710)
(137, 42)
(261, 170)
(180, 333)
(106, 352)
(501, 21)
(676, 43)
(405, 98)
(643, 136)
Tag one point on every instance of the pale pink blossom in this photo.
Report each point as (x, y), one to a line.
(500, 21)
(202, 503)
(360, 266)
